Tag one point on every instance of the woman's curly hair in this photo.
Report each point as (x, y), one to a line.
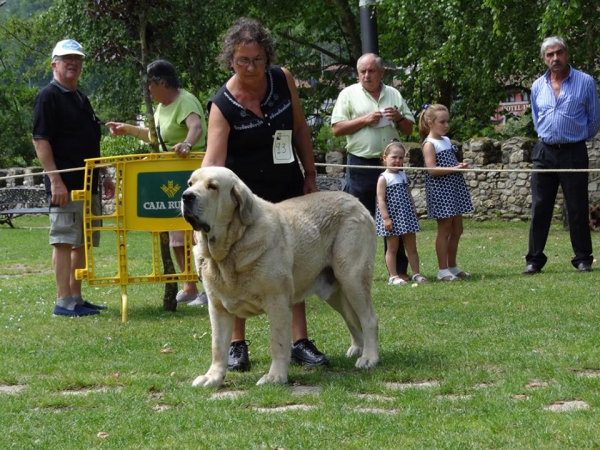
(245, 31)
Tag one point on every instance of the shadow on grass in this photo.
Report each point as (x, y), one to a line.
(155, 311)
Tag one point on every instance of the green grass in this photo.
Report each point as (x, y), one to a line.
(484, 340)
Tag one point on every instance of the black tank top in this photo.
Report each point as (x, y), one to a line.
(250, 143)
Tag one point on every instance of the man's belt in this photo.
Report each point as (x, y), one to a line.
(564, 145)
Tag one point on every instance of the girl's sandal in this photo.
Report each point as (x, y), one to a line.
(418, 278)
(396, 281)
(459, 273)
(446, 275)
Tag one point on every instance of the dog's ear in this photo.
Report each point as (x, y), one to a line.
(245, 200)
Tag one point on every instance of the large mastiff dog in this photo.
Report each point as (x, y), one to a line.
(256, 257)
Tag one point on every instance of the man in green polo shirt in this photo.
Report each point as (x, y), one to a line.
(370, 114)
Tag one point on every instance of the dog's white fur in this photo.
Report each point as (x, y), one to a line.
(256, 257)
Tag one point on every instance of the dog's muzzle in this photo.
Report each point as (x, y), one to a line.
(188, 209)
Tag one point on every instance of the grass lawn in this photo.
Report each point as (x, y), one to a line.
(479, 364)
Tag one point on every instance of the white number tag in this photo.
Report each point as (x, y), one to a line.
(282, 147)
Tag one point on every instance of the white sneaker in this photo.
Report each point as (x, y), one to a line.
(182, 297)
(201, 300)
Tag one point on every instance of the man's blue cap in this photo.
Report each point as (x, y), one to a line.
(67, 47)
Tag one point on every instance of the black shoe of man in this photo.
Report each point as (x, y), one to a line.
(238, 359)
(584, 267)
(304, 352)
(530, 269)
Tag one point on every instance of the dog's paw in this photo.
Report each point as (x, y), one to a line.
(364, 362)
(272, 379)
(354, 351)
(207, 381)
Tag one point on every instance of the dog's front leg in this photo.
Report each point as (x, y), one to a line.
(221, 323)
(280, 323)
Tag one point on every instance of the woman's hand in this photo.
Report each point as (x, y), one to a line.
(182, 149)
(118, 128)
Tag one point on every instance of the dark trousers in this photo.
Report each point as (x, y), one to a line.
(362, 183)
(544, 187)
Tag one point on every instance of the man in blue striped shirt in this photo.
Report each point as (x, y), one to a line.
(566, 113)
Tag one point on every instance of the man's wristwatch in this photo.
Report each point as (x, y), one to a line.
(186, 143)
(401, 117)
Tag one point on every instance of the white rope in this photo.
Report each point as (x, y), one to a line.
(471, 169)
(405, 168)
(24, 175)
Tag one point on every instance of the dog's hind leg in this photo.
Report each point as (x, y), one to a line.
(338, 302)
(221, 323)
(358, 299)
(280, 323)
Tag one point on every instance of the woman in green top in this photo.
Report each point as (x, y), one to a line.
(181, 128)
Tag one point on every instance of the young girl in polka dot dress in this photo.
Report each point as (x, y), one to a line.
(445, 190)
(396, 216)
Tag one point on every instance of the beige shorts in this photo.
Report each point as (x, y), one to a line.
(66, 223)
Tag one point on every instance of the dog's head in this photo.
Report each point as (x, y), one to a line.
(217, 204)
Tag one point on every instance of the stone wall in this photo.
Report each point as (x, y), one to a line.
(495, 195)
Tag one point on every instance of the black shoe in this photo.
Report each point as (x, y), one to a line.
(238, 359)
(89, 305)
(584, 267)
(530, 269)
(78, 311)
(304, 352)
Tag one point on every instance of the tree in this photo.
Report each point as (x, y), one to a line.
(19, 76)
(183, 31)
(463, 53)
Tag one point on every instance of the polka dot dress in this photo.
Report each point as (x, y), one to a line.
(447, 195)
(399, 206)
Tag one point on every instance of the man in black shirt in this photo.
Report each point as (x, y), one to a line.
(66, 131)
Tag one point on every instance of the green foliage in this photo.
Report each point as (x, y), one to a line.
(458, 52)
(18, 77)
(324, 140)
(23, 9)
(122, 145)
(519, 126)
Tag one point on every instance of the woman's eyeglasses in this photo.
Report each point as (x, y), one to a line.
(245, 62)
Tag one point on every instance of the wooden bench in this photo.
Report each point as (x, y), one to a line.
(19, 201)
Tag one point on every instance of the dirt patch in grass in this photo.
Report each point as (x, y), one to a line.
(454, 397)
(588, 373)
(535, 384)
(12, 389)
(226, 395)
(306, 390)
(375, 397)
(161, 408)
(567, 405)
(413, 385)
(91, 390)
(286, 408)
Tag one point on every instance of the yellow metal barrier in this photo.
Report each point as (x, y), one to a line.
(148, 192)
